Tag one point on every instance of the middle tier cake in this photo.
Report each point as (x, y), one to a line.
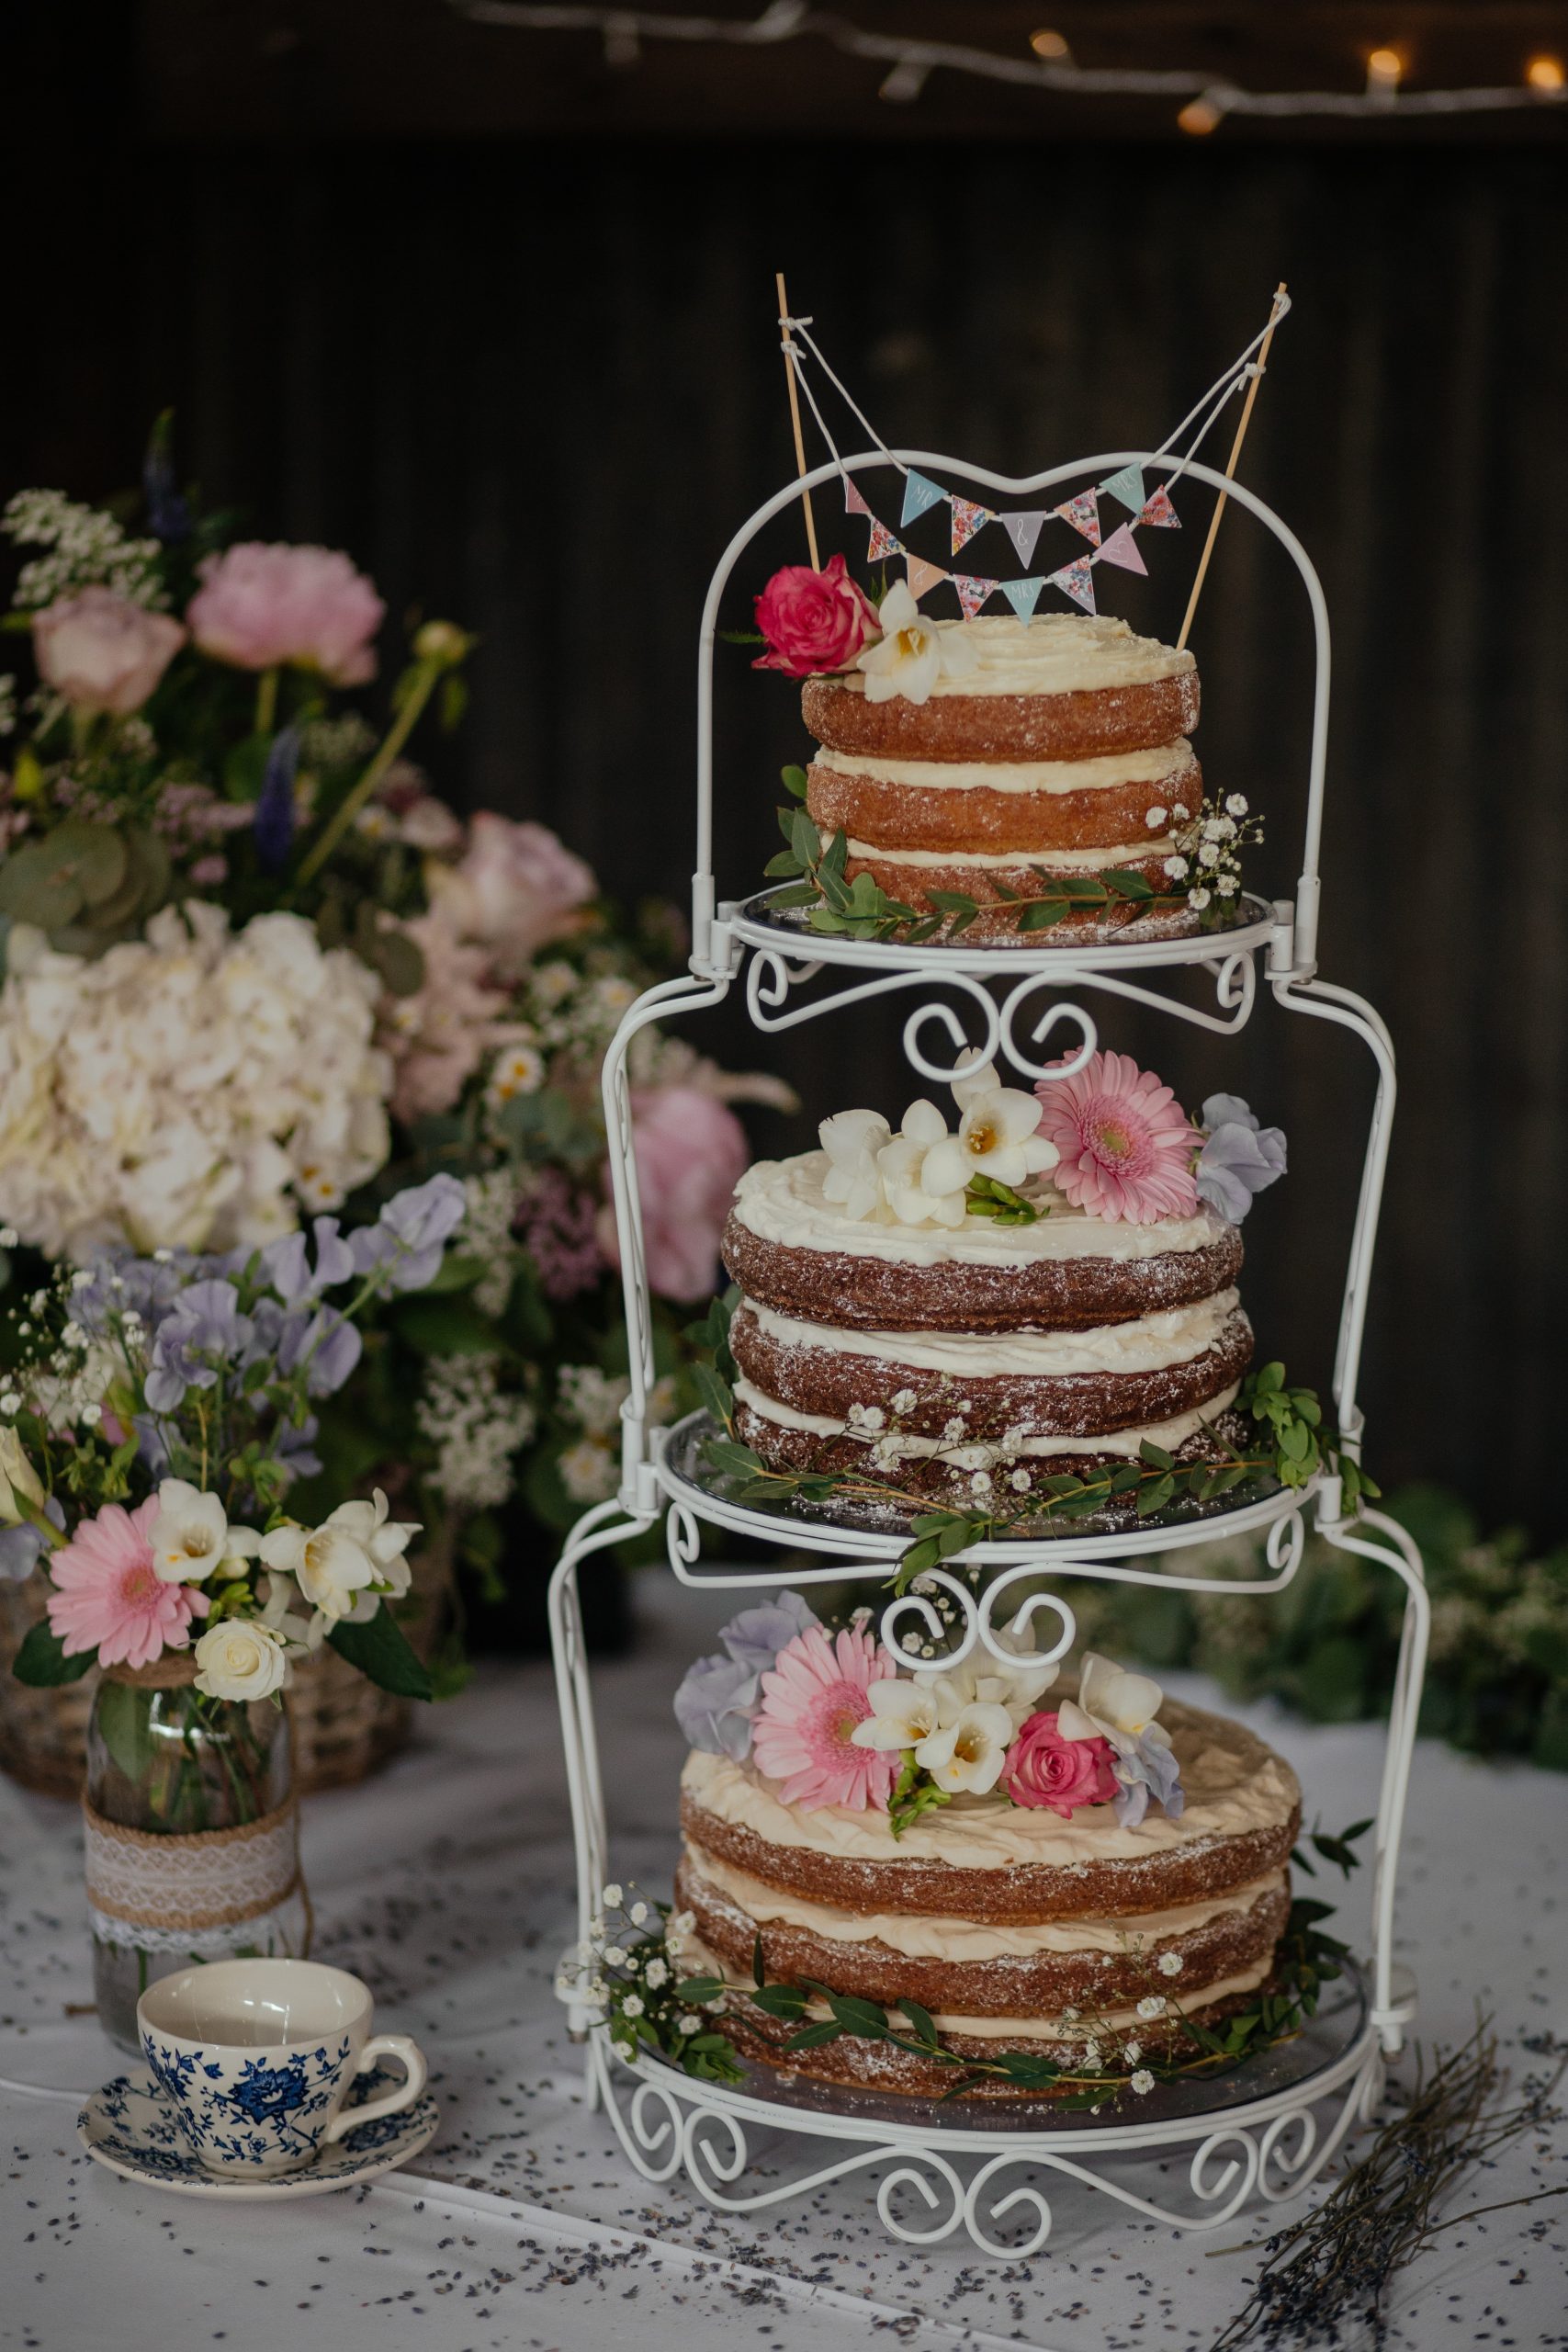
(973, 1344)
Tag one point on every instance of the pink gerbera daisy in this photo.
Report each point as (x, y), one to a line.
(109, 1596)
(1126, 1143)
(811, 1703)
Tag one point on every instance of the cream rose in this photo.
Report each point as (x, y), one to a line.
(239, 1660)
(102, 653)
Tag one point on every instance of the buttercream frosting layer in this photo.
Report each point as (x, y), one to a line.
(1171, 1434)
(1146, 1344)
(782, 1201)
(1056, 653)
(1159, 767)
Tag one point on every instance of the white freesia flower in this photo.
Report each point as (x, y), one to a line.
(1113, 1704)
(240, 1657)
(186, 1089)
(902, 1715)
(294, 1632)
(192, 1539)
(969, 1753)
(343, 1565)
(851, 1142)
(20, 1485)
(912, 653)
(905, 1167)
(997, 1134)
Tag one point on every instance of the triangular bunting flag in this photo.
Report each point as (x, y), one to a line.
(1127, 486)
(1083, 514)
(882, 543)
(1121, 548)
(1077, 581)
(919, 493)
(1160, 512)
(922, 575)
(972, 593)
(966, 520)
(1023, 529)
(1023, 595)
(854, 502)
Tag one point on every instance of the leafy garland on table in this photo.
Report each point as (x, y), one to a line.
(1292, 1447)
(863, 909)
(630, 1971)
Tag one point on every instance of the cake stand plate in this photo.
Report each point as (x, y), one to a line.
(1252, 2132)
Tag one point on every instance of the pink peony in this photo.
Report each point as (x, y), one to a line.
(260, 605)
(1126, 1143)
(515, 887)
(438, 1037)
(109, 1596)
(691, 1154)
(102, 652)
(813, 620)
(1043, 1768)
(811, 1703)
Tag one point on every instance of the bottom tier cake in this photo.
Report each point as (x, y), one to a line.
(1084, 1879)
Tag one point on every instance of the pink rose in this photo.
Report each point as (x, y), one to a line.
(516, 886)
(1042, 1767)
(102, 653)
(813, 620)
(691, 1154)
(260, 605)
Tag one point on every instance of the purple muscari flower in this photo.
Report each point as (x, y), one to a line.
(273, 824)
(1239, 1158)
(713, 1707)
(168, 512)
(411, 1233)
(755, 1638)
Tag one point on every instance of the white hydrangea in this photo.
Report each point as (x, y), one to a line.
(190, 1088)
(476, 1427)
(86, 548)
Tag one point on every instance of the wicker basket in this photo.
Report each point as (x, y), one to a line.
(343, 1726)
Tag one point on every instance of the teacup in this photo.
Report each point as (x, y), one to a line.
(256, 2058)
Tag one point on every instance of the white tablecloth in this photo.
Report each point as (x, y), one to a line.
(446, 1883)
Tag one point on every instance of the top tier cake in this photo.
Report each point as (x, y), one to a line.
(1053, 748)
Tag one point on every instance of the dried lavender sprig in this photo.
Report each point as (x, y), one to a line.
(1333, 2267)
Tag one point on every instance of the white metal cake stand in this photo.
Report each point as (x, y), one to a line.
(1266, 2128)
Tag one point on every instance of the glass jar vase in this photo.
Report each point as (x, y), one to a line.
(192, 1833)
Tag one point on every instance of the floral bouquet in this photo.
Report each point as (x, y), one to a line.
(255, 968)
(160, 1412)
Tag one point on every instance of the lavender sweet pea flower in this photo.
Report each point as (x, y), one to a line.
(1144, 1768)
(755, 1638)
(202, 1330)
(411, 1232)
(1239, 1157)
(20, 1547)
(293, 1449)
(331, 1347)
(288, 1269)
(713, 1707)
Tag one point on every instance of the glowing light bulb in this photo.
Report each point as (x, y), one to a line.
(1385, 71)
(1049, 44)
(1545, 74)
(1200, 116)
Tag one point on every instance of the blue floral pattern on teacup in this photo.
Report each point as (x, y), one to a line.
(275, 2106)
(131, 2125)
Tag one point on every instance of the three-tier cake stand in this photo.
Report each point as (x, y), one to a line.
(1268, 2128)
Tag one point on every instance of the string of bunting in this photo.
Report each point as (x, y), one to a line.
(1075, 579)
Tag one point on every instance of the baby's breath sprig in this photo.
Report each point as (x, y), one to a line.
(629, 1972)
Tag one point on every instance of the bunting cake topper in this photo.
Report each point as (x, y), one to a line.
(1142, 488)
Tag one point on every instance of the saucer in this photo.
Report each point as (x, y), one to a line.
(129, 2127)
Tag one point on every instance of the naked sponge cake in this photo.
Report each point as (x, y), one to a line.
(1091, 1872)
(963, 1316)
(1056, 747)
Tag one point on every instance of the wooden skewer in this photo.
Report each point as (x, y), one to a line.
(1230, 469)
(794, 419)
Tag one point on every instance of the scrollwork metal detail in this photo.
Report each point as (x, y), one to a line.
(1055, 1016)
(1287, 1539)
(1242, 2168)
(977, 1615)
(683, 1541)
(1026, 2195)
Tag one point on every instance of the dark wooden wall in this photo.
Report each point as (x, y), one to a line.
(536, 386)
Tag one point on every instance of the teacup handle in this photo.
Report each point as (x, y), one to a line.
(384, 2045)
